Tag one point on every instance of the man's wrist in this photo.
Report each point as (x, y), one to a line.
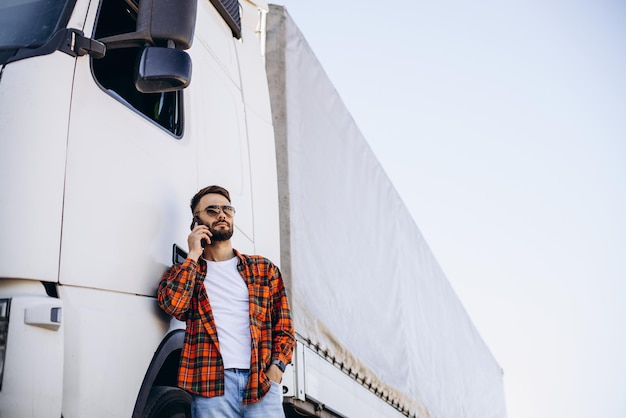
(280, 365)
(195, 256)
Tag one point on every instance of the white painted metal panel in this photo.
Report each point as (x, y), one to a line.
(222, 155)
(216, 37)
(127, 190)
(33, 370)
(111, 340)
(34, 110)
(260, 133)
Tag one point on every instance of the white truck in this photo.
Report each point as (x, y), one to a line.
(113, 113)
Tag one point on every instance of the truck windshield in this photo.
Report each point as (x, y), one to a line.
(28, 23)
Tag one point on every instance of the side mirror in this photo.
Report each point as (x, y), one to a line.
(159, 21)
(162, 70)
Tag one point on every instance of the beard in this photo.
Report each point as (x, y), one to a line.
(221, 234)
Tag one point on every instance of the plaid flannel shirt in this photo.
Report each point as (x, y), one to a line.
(182, 294)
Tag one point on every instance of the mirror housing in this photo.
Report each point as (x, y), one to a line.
(161, 70)
(159, 21)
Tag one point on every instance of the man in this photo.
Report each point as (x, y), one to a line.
(239, 334)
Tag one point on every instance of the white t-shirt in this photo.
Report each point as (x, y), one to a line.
(230, 303)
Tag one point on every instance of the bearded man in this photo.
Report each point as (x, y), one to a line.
(239, 334)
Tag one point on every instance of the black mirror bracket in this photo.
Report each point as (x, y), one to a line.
(82, 45)
(69, 40)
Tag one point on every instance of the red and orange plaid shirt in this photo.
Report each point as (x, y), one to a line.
(182, 294)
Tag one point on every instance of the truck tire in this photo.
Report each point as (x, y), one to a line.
(167, 402)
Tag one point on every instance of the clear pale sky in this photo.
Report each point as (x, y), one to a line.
(503, 127)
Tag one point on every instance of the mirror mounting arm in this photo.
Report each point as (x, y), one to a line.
(126, 40)
(70, 41)
(82, 45)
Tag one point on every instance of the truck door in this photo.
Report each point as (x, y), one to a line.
(131, 169)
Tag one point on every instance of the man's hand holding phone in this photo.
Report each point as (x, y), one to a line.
(199, 238)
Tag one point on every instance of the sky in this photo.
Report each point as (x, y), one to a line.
(503, 128)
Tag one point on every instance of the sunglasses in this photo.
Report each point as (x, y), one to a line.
(214, 210)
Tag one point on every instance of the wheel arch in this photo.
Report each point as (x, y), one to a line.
(163, 369)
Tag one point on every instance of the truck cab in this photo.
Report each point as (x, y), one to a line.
(112, 114)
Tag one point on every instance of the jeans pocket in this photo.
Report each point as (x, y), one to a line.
(276, 387)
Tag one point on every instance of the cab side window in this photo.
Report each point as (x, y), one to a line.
(116, 71)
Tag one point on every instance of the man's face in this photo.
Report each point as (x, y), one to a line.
(220, 224)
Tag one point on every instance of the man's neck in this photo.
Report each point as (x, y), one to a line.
(219, 251)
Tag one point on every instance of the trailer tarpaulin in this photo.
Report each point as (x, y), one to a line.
(365, 289)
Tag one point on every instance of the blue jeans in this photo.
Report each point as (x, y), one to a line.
(231, 404)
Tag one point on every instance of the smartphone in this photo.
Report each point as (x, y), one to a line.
(195, 221)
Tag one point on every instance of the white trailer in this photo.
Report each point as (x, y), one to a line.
(112, 114)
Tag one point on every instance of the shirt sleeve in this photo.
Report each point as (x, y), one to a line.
(283, 335)
(175, 290)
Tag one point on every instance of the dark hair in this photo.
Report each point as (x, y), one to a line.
(209, 190)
